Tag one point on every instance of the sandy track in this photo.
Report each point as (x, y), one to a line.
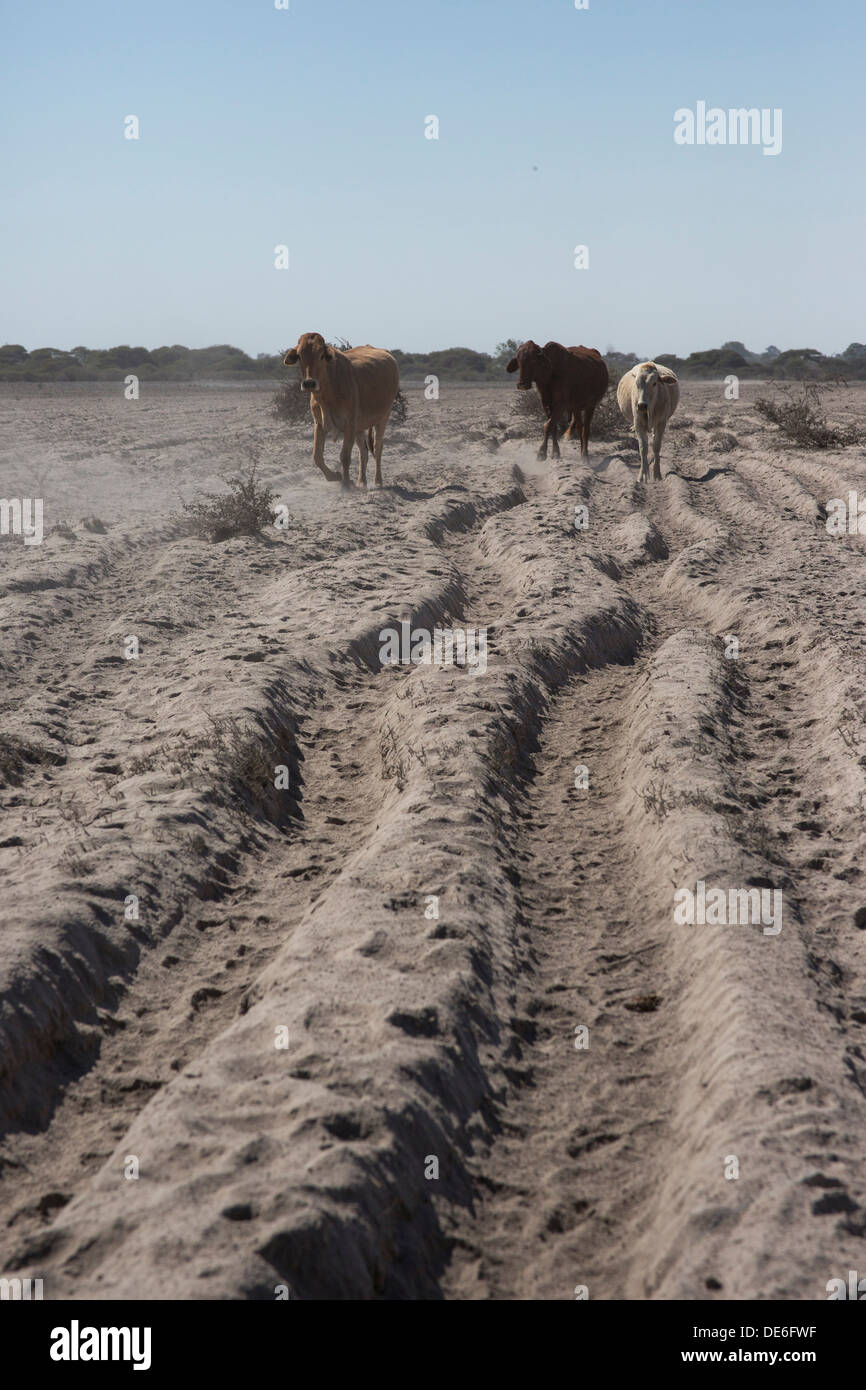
(451, 1038)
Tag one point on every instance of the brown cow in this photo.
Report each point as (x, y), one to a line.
(570, 381)
(351, 393)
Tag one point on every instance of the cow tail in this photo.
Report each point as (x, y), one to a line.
(370, 438)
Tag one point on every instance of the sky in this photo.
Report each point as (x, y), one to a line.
(305, 127)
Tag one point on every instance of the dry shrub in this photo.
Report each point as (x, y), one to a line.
(242, 511)
(526, 405)
(399, 410)
(292, 405)
(245, 764)
(801, 418)
(19, 754)
(526, 415)
(607, 420)
(723, 442)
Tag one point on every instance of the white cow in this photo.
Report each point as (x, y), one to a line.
(648, 395)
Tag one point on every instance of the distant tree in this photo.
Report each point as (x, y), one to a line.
(503, 352)
(742, 350)
(12, 354)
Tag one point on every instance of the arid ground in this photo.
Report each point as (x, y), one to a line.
(239, 1048)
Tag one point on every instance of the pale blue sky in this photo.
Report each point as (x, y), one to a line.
(306, 127)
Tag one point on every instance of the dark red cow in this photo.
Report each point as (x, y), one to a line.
(570, 381)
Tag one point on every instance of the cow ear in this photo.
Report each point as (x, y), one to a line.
(512, 365)
(290, 358)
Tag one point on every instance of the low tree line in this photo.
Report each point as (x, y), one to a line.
(224, 362)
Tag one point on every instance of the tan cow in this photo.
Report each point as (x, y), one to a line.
(351, 393)
(648, 395)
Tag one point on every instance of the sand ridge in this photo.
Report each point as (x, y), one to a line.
(450, 1037)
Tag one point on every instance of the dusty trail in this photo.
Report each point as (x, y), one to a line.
(567, 1188)
(451, 1036)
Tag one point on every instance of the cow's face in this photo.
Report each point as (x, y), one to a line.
(647, 385)
(311, 354)
(532, 365)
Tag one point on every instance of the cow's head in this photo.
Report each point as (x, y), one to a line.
(312, 351)
(532, 364)
(648, 383)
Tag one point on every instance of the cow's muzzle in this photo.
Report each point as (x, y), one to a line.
(524, 385)
(309, 384)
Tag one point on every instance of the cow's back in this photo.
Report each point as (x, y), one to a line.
(589, 372)
(625, 393)
(377, 377)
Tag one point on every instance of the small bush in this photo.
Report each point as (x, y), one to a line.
(17, 755)
(249, 762)
(607, 420)
(74, 864)
(242, 511)
(526, 405)
(292, 405)
(723, 442)
(400, 409)
(802, 420)
(243, 760)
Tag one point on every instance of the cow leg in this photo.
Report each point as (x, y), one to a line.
(550, 433)
(319, 435)
(554, 438)
(378, 441)
(657, 448)
(362, 459)
(641, 431)
(585, 422)
(346, 453)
